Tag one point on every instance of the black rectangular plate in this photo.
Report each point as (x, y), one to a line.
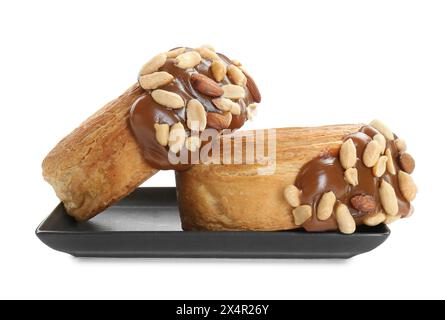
(147, 224)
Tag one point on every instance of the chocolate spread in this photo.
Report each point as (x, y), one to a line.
(325, 173)
(145, 112)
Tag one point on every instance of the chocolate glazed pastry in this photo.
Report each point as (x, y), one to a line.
(323, 178)
(106, 158)
(188, 91)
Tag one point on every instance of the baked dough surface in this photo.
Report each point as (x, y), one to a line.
(238, 197)
(100, 162)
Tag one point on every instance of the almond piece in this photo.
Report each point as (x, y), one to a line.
(381, 140)
(391, 219)
(155, 80)
(302, 214)
(234, 92)
(375, 219)
(154, 64)
(236, 109)
(162, 133)
(188, 60)
(407, 186)
(292, 195)
(176, 137)
(407, 162)
(236, 63)
(348, 154)
(251, 111)
(175, 52)
(208, 46)
(390, 163)
(208, 54)
(346, 223)
(236, 75)
(363, 203)
(196, 116)
(251, 86)
(401, 145)
(219, 121)
(224, 104)
(326, 206)
(205, 85)
(351, 176)
(380, 167)
(382, 128)
(388, 198)
(167, 99)
(371, 154)
(219, 70)
(192, 143)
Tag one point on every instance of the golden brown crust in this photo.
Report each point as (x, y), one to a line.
(237, 197)
(99, 162)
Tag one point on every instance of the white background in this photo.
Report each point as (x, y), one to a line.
(316, 62)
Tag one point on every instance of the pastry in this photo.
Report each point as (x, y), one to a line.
(319, 179)
(179, 94)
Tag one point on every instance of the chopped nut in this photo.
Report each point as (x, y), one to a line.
(162, 133)
(363, 203)
(326, 206)
(346, 223)
(236, 109)
(225, 104)
(383, 129)
(219, 121)
(219, 70)
(348, 154)
(390, 163)
(167, 99)
(154, 64)
(236, 75)
(205, 85)
(391, 219)
(302, 214)
(175, 52)
(234, 92)
(407, 186)
(380, 167)
(206, 53)
(407, 162)
(371, 154)
(155, 80)
(351, 176)
(388, 198)
(188, 60)
(196, 115)
(208, 46)
(375, 219)
(381, 140)
(292, 195)
(400, 145)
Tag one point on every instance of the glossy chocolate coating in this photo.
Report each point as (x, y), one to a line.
(325, 173)
(146, 112)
